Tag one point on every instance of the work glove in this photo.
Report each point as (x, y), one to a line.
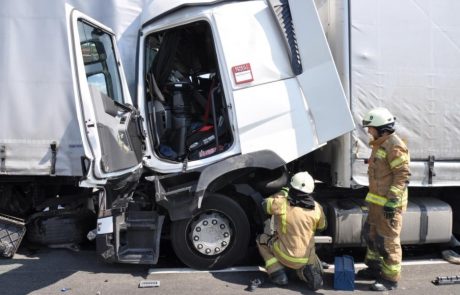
(389, 209)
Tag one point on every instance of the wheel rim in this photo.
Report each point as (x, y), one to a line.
(210, 233)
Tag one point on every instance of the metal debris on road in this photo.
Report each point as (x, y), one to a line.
(446, 280)
(149, 284)
(254, 284)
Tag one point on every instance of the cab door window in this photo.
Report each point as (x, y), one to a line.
(100, 63)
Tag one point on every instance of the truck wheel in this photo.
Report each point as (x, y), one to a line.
(216, 237)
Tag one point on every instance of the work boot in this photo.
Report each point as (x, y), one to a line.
(383, 285)
(279, 277)
(368, 274)
(313, 277)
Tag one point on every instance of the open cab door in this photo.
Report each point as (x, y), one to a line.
(110, 127)
(113, 141)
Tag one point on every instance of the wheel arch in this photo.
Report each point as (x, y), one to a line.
(221, 174)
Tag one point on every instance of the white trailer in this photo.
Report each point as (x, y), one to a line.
(229, 98)
(41, 147)
(402, 55)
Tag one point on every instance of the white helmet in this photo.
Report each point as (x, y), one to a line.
(303, 181)
(378, 117)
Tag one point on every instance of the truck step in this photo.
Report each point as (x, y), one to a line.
(323, 240)
(142, 256)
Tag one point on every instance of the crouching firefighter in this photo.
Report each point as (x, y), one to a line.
(387, 198)
(296, 216)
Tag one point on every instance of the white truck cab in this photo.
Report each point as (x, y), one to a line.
(226, 91)
(214, 81)
(225, 100)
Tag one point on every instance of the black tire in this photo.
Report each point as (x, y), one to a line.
(268, 182)
(235, 249)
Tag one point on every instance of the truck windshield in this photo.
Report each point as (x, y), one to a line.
(99, 58)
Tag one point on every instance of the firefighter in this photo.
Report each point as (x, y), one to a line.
(388, 173)
(290, 242)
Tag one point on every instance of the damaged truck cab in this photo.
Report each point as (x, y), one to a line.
(225, 100)
(227, 95)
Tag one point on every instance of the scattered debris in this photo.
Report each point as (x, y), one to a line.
(12, 230)
(6, 249)
(149, 284)
(65, 289)
(91, 236)
(446, 280)
(254, 284)
(451, 256)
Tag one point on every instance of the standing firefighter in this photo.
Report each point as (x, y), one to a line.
(296, 217)
(387, 198)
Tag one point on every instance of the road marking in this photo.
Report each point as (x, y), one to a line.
(5, 268)
(190, 270)
(258, 268)
(407, 263)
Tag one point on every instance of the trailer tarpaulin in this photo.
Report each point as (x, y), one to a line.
(37, 105)
(405, 56)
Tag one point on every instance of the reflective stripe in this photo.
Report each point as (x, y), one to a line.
(283, 217)
(401, 194)
(381, 154)
(397, 191)
(391, 270)
(398, 161)
(318, 214)
(372, 255)
(285, 191)
(318, 218)
(404, 198)
(376, 199)
(270, 262)
(269, 205)
(324, 225)
(287, 257)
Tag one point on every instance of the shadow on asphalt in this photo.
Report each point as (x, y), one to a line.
(49, 266)
(244, 279)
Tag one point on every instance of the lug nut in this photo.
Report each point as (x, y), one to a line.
(198, 229)
(214, 221)
(226, 235)
(200, 246)
(224, 244)
(217, 250)
(205, 223)
(222, 226)
(208, 251)
(196, 238)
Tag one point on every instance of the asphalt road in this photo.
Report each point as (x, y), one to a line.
(59, 271)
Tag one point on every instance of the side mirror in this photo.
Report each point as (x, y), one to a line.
(93, 51)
